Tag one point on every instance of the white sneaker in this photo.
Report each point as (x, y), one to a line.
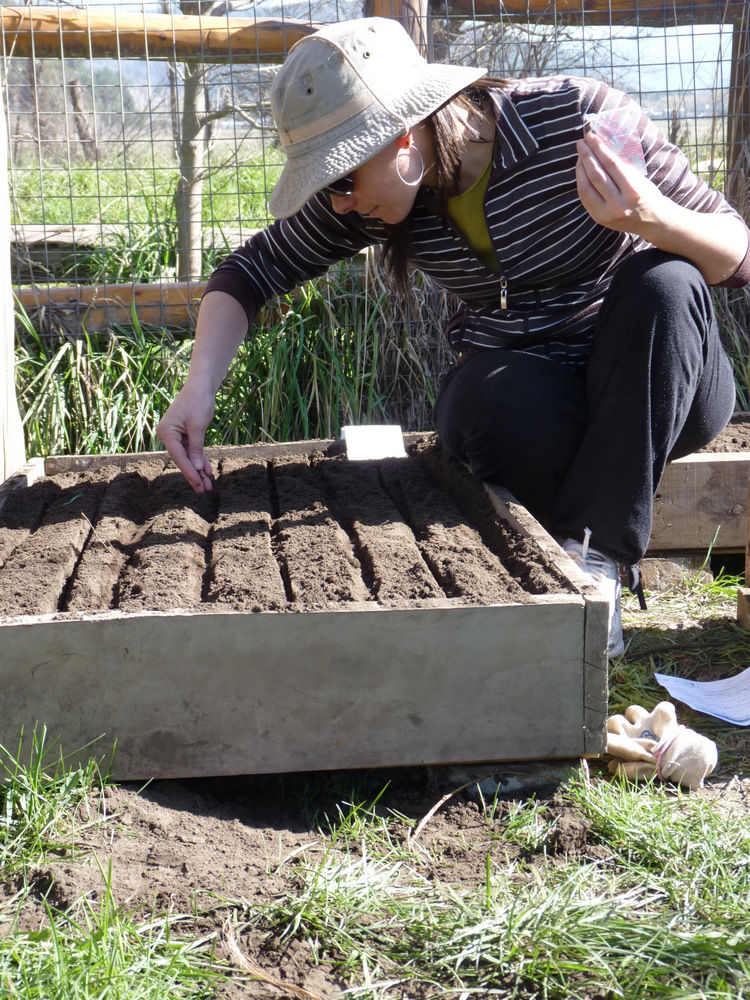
(606, 575)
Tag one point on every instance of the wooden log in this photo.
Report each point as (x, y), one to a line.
(99, 307)
(12, 447)
(656, 13)
(70, 32)
(743, 606)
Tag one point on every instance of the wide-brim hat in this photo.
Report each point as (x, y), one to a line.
(344, 93)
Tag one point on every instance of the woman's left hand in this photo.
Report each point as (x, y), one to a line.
(614, 193)
(619, 197)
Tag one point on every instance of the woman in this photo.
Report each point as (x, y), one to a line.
(588, 349)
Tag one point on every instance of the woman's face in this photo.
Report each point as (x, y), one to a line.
(379, 192)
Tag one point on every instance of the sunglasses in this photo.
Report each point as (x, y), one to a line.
(343, 187)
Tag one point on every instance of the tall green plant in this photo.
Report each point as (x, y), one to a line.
(336, 352)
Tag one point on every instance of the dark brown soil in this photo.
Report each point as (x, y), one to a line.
(290, 533)
(734, 437)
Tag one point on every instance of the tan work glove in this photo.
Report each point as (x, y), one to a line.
(643, 743)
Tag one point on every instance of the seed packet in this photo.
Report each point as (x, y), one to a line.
(619, 129)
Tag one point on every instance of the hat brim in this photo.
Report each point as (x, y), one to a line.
(364, 135)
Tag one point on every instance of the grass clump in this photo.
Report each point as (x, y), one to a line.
(97, 950)
(44, 803)
(334, 353)
(93, 948)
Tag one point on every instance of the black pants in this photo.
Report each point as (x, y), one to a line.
(586, 447)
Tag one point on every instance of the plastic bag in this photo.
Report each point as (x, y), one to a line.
(619, 129)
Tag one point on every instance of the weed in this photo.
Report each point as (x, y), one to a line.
(44, 802)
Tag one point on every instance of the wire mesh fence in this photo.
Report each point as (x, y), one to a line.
(142, 147)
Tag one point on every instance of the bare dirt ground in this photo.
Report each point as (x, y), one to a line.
(183, 846)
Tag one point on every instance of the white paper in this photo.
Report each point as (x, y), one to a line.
(727, 699)
(373, 441)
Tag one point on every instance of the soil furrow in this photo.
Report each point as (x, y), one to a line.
(386, 541)
(285, 533)
(21, 513)
(54, 548)
(166, 569)
(244, 571)
(322, 567)
(464, 566)
(120, 524)
(524, 559)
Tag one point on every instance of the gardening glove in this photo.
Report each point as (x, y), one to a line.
(643, 743)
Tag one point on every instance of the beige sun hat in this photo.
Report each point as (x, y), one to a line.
(343, 94)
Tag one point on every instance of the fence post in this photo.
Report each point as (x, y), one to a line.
(414, 15)
(12, 451)
(738, 120)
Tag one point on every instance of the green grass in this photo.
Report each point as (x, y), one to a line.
(44, 803)
(664, 916)
(86, 396)
(92, 949)
(137, 202)
(661, 911)
(78, 194)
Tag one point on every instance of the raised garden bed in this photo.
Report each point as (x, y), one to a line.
(311, 612)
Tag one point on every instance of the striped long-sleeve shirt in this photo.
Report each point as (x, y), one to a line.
(554, 261)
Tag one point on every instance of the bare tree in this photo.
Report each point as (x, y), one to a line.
(195, 122)
(81, 119)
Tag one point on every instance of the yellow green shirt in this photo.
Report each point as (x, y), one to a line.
(467, 211)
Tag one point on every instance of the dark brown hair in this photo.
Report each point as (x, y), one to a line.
(446, 130)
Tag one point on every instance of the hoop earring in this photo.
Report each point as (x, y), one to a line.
(401, 177)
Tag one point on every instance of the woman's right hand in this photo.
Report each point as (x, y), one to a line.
(182, 431)
(221, 325)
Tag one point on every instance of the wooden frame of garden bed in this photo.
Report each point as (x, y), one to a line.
(702, 504)
(186, 694)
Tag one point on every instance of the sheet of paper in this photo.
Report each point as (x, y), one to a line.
(727, 699)
(373, 441)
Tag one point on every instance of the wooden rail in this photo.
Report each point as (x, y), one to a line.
(69, 32)
(100, 307)
(647, 13)
(58, 31)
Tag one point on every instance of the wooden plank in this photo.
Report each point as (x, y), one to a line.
(56, 464)
(99, 307)
(698, 496)
(43, 254)
(652, 13)
(595, 623)
(87, 235)
(27, 474)
(67, 32)
(301, 692)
